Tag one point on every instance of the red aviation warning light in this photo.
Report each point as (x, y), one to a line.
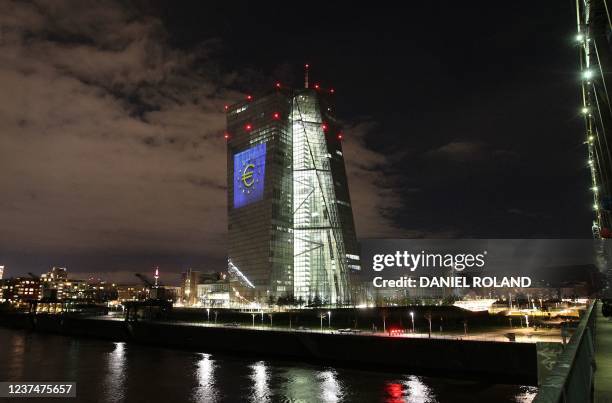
(324, 127)
(332, 91)
(317, 86)
(226, 135)
(248, 127)
(249, 97)
(226, 107)
(276, 116)
(340, 136)
(278, 85)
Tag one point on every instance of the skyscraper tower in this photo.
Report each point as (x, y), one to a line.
(291, 230)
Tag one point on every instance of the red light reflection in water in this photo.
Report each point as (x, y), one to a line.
(394, 393)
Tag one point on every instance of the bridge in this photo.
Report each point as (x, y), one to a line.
(583, 371)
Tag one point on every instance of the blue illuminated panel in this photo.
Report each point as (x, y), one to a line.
(249, 172)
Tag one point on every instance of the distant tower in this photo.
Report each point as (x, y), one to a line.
(156, 277)
(1, 272)
(291, 230)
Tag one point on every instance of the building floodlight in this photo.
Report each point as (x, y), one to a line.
(233, 270)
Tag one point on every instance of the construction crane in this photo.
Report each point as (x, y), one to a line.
(156, 289)
(145, 280)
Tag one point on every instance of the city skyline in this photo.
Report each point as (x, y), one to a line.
(113, 150)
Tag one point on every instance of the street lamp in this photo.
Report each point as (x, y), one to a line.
(412, 317)
(329, 319)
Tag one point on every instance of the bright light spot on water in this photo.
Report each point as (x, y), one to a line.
(205, 375)
(412, 390)
(526, 394)
(261, 391)
(331, 389)
(115, 377)
(418, 391)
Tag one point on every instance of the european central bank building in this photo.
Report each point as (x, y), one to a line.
(291, 229)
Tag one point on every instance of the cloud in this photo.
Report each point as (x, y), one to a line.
(375, 192)
(459, 151)
(466, 151)
(111, 139)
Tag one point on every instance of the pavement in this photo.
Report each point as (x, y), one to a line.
(522, 335)
(603, 357)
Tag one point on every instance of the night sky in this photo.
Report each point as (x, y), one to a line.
(461, 120)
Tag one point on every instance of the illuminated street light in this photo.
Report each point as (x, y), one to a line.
(595, 189)
(321, 316)
(585, 110)
(412, 316)
(579, 38)
(595, 206)
(587, 74)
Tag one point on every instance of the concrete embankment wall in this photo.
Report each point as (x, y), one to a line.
(491, 361)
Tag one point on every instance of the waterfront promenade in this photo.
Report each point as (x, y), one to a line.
(603, 358)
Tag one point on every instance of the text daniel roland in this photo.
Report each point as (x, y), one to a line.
(452, 282)
(458, 262)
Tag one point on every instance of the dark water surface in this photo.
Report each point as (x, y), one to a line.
(121, 372)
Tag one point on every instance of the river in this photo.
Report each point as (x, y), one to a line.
(108, 371)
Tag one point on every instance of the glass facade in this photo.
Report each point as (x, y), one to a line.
(291, 229)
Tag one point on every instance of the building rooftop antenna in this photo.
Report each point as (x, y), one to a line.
(306, 66)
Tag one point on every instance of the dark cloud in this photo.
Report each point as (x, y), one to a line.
(112, 141)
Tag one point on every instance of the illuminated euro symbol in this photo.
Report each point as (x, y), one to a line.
(247, 175)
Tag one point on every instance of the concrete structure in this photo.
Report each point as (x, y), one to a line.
(291, 230)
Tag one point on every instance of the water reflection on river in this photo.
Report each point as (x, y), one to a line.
(122, 372)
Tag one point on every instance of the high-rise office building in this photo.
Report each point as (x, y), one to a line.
(1, 272)
(291, 230)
